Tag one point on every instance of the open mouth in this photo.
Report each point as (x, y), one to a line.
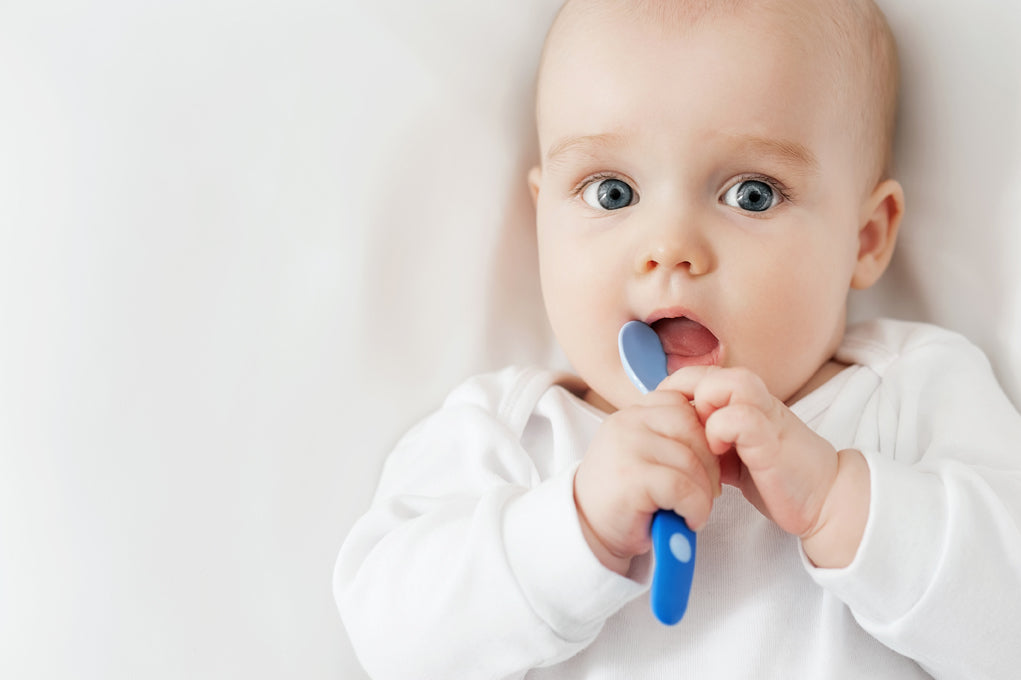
(686, 342)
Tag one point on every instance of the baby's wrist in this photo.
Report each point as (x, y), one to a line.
(834, 542)
(606, 557)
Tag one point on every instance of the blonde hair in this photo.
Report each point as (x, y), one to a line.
(871, 51)
(859, 41)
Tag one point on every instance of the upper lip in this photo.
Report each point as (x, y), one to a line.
(672, 313)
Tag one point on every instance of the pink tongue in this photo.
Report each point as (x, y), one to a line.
(685, 337)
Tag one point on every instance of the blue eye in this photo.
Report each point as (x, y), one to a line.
(609, 194)
(751, 195)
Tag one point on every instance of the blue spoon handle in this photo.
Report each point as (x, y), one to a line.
(674, 546)
(673, 543)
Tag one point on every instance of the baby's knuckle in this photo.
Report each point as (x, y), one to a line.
(747, 380)
(685, 484)
(673, 398)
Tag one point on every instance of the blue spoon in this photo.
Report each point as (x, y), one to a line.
(673, 542)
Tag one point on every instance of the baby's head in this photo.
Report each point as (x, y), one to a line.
(722, 161)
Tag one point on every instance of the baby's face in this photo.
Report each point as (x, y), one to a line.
(703, 173)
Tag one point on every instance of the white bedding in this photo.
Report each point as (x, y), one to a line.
(243, 246)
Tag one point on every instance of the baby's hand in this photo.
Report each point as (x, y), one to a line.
(790, 473)
(649, 456)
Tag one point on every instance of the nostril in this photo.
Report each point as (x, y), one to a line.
(648, 265)
(675, 253)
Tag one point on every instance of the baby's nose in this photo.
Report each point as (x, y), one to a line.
(675, 249)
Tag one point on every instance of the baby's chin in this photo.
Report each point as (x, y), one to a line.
(594, 398)
(611, 393)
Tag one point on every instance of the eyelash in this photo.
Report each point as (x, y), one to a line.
(785, 192)
(598, 177)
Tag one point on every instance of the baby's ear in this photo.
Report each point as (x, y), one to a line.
(880, 220)
(534, 179)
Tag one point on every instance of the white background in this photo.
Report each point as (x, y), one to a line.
(244, 245)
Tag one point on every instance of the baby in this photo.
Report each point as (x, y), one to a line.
(720, 171)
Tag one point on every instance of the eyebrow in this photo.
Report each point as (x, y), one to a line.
(582, 144)
(788, 152)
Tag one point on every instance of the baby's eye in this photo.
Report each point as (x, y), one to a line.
(608, 194)
(752, 195)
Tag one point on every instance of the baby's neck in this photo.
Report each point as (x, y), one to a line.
(827, 371)
(596, 399)
(821, 377)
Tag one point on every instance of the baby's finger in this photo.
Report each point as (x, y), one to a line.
(685, 380)
(675, 419)
(682, 439)
(665, 412)
(640, 444)
(720, 387)
(748, 430)
(664, 397)
(690, 496)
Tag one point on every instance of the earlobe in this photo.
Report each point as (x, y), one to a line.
(534, 179)
(877, 235)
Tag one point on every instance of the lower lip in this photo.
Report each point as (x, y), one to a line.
(675, 362)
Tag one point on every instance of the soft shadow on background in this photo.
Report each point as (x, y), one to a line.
(245, 245)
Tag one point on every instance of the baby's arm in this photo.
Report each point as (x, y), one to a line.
(649, 456)
(471, 561)
(930, 518)
(938, 574)
(791, 474)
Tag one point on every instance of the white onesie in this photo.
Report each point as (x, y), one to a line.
(471, 563)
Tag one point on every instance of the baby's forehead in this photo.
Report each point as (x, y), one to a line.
(583, 26)
(847, 41)
(828, 26)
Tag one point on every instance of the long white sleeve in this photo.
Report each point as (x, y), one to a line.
(470, 562)
(938, 575)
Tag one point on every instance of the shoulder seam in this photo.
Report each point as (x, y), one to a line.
(517, 404)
